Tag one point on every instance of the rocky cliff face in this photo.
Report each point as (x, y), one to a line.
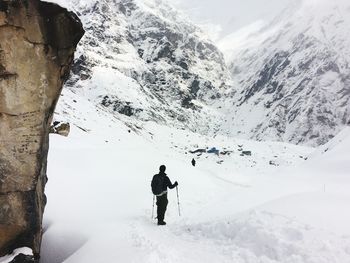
(143, 61)
(37, 43)
(293, 76)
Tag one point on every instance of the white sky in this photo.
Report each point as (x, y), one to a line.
(222, 17)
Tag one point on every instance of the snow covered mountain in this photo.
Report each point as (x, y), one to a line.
(142, 60)
(281, 203)
(292, 76)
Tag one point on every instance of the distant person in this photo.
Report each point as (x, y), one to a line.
(160, 184)
(193, 162)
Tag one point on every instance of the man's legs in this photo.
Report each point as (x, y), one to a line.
(162, 202)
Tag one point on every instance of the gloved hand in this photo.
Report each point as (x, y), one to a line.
(176, 183)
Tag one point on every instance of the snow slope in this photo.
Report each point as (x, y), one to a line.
(233, 208)
(292, 75)
(144, 61)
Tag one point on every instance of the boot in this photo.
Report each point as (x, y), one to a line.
(161, 223)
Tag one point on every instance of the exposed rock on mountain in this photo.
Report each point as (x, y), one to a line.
(37, 44)
(292, 77)
(142, 60)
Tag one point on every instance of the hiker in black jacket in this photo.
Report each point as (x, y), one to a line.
(193, 162)
(160, 184)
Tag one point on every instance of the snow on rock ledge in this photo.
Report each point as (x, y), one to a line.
(38, 41)
(19, 255)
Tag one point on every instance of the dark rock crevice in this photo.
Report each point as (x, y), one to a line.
(20, 28)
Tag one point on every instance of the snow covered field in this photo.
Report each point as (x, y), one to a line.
(281, 204)
(284, 203)
(233, 208)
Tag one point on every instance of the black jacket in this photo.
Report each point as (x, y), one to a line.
(165, 182)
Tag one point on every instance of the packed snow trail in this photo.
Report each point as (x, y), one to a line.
(242, 210)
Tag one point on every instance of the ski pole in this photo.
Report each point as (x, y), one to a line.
(153, 208)
(178, 201)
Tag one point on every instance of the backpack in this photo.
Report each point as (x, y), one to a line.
(157, 184)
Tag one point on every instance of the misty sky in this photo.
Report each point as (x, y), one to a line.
(229, 15)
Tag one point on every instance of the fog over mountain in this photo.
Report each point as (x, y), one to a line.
(223, 17)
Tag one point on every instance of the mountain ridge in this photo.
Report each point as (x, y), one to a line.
(297, 80)
(143, 61)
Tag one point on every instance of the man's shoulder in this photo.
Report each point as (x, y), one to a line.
(158, 176)
(166, 178)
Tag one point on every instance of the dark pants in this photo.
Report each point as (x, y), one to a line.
(162, 202)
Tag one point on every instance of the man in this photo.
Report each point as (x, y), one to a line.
(160, 184)
(193, 162)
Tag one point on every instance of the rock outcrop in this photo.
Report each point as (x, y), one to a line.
(37, 44)
(60, 128)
